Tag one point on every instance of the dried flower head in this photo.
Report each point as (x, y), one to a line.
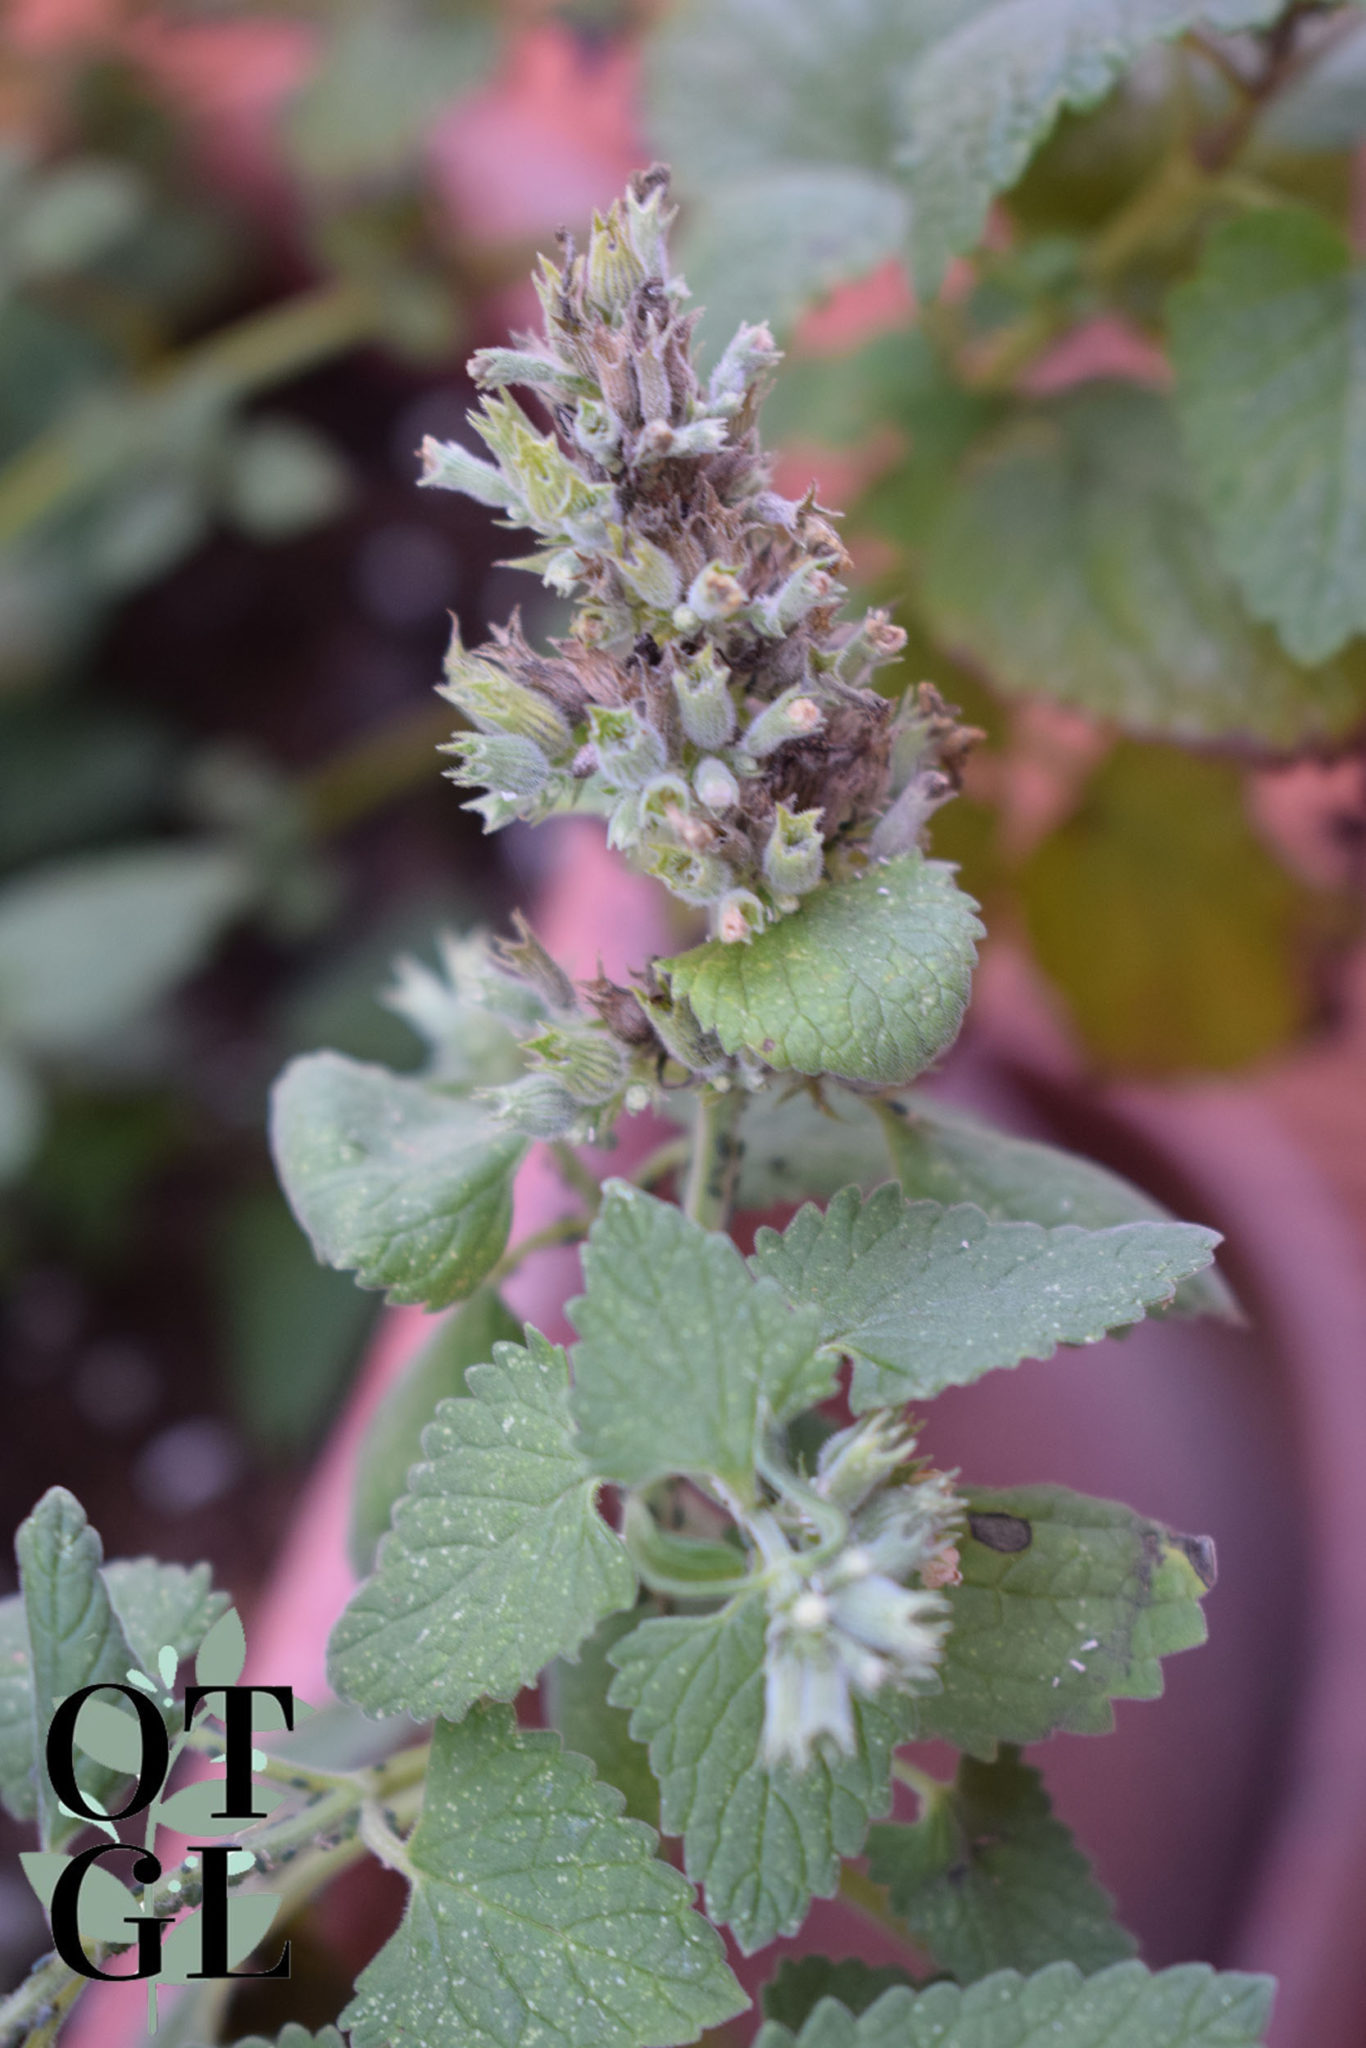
(708, 699)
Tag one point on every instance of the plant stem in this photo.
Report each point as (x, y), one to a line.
(576, 1175)
(30, 2015)
(664, 1160)
(926, 1788)
(564, 1230)
(858, 1890)
(264, 349)
(715, 1160)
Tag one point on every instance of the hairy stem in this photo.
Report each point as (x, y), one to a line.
(715, 1158)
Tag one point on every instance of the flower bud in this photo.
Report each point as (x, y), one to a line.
(449, 467)
(506, 762)
(854, 1462)
(794, 859)
(499, 367)
(679, 1032)
(789, 717)
(747, 356)
(807, 586)
(629, 751)
(659, 442)
(906, 1626)
(716, 787)
(594, 429)
(738, 917)
(494, 702)
(706, 708)
(695, 877)
(614, 266)
(716, 594)
(538, 1104)
(589, 1063)
(646, 570)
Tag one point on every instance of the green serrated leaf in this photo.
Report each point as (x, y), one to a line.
(1269, 343)
(940, 1155)
(763, 1842)
(575, 1695)
(799, 1984)
(89, 943)
(160, 1605)
(407, 1187)
(982, 98)
(923, 1297)
(1066, 1604)
(1173, 932)
(988, 1880)
(1126, 2006)
(536, 1912)
(682, 1354)
(1070, 559)
(75, 1637)
(498, 1559)
(393, 1442)
(155, 1603)
(867, 981)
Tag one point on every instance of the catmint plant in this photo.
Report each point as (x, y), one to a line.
(710, 1530)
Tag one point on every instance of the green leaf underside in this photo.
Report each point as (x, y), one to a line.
(498, 1559)
(682, 1352)
(761, 1842)
(537, 1913)
(157, 1604)
(940, 1155)
(393, 1442)
(984, 96)
(408, 1188)
(1066, 1604)
(800, 1983)
(1069, 559)
(797, 1148)
(988, 1880)
(75, 1637)
(575, 1695)
(923, 1297)
(1126, 2006)
(1269, 342)
(868, 980)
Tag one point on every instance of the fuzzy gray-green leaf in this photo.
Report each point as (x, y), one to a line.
(868, 980)
(762, 1841)
(1066, 1604)
(407, 1187)
(498, 1559)
(537, 1913)
(1269, 342)
(924, 1297)
(1126, 2006)
(682, 1353)
(987, 1879)
(938, 1154)
(75, 1637)
(983, 97)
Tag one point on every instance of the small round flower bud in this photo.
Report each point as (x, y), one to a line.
(716, 593)
(629, 751)
(715, 785)
(538, 1104)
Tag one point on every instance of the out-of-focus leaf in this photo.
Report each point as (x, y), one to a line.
(1164, 921)
(1069, 558)
(75, 770)
(393, 1442)
(21, 1117)
(799, 1984)
(46, 360)
(1269, 342)
(380, 84)
(575, 1693)
(88, 945)
(292, 1328)
(282, 478)
(75, 214)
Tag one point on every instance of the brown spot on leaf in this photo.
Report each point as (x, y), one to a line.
(1005, 1533)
